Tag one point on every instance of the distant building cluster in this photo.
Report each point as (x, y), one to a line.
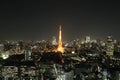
(8, 48)
(87, 59)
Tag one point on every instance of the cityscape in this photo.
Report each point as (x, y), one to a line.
(59, 40)
(86, 59)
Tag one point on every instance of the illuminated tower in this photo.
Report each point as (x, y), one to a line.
(60, 47)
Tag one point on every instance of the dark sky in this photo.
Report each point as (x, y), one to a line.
(39, 20)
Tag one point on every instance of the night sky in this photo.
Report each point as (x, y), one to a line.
(37, 20)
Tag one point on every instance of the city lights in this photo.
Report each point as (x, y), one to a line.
(88, 59)
(5, 56)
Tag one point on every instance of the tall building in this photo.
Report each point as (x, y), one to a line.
(60, 46)
(109, 46)
(87, 39)
(54, 42)
(28, 55)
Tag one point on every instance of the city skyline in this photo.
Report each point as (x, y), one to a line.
(39, 20)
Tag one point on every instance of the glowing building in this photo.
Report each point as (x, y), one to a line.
(87, 39)
(54, 42)
(109, 46)
(60, 46)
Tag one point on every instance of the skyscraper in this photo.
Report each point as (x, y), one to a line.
(87, 39)
(54, 42)
(109, 46)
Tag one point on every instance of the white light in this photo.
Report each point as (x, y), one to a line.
(82, 42)
(5, 56)
(83, 59)
(73, 52)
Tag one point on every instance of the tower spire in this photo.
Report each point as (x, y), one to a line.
(60, 47)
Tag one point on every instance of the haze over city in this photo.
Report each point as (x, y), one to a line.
(40, 19)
